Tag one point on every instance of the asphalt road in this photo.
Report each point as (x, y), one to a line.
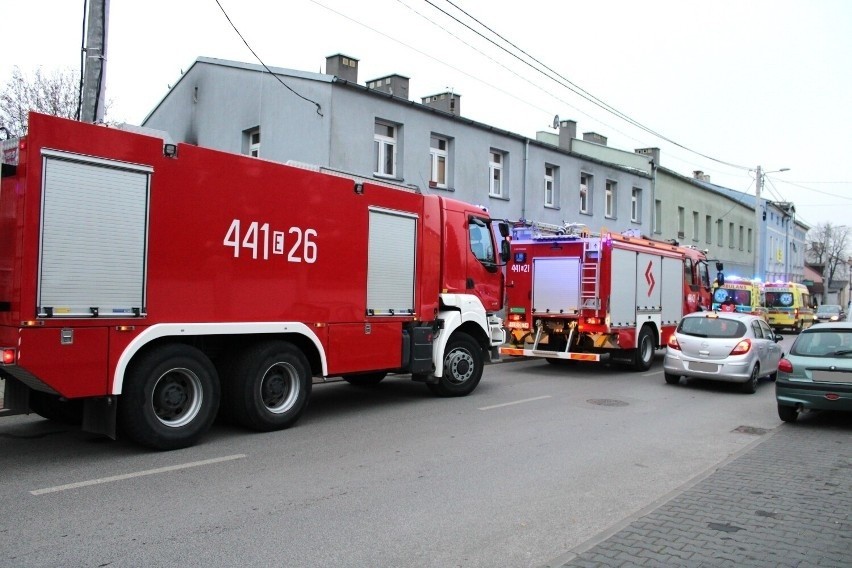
(536, 461)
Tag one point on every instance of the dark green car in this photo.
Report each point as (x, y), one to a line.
(817, 373)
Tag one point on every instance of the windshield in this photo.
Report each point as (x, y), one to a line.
(779, 299)
(824, 342)
(739, 297)
(828, 310)
(711, 327)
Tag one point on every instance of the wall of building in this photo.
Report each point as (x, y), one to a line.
(682, 200)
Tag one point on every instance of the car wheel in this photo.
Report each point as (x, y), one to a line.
(787, 413)
(672, 379)
(750, 386)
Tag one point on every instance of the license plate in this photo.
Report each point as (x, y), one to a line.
(832, 376)
(703, 367)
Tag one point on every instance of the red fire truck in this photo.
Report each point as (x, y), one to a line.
(146, 287)
(572, 295)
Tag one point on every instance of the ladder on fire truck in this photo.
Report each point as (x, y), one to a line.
(589, 267)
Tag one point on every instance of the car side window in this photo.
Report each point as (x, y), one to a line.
(755, 327)
(767, 331)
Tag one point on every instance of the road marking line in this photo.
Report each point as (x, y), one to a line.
(652, 373)
(135, 474)
(516, 402)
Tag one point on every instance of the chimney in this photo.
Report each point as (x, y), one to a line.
(567, 132)
(342, 66)
(595, 138)
(447, 102)
(701, 176)
(396, 85)
(653, 153)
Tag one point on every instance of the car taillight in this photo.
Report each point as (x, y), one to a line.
(742, 347)
(785, 366)
(673, 342)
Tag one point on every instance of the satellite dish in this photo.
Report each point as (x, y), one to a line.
(555, 121)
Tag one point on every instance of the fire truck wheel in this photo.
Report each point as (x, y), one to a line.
(170, 397)
(643, 356)
(462, 367)
(365, 379)
(50, 406)
(268, 386)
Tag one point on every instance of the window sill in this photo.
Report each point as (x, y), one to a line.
(500, 197)
(554, 207)
(388, 178)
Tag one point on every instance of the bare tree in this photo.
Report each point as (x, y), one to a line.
(828, 247)
(49, 92)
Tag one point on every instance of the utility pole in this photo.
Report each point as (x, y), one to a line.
(94, 73)
(758, 222)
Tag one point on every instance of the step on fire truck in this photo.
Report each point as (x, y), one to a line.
(572, 295)
(146, 287)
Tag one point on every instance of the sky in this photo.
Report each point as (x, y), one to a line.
(722, 87)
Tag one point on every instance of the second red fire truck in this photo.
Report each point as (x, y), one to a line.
(576, 296)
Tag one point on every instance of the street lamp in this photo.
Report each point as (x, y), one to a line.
(758, 218)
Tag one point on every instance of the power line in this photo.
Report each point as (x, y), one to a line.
(567, 83)
(256, 56)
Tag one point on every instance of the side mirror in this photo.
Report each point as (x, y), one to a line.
(504, 251)
(504, 229)
(719, 266)
(777, 338)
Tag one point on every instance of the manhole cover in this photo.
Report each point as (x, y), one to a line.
(606, 402)
(751, 430)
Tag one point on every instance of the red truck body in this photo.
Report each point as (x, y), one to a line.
(575, 296)
(117, 247)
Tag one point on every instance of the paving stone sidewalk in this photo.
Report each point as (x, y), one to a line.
(785, 502)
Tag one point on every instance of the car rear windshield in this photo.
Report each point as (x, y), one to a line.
(712, 327)
(820, 343)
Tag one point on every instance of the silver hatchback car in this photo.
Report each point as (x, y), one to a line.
(723, 346)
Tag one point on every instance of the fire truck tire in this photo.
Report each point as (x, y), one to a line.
(463, 365)
(643, 356)
(53, 408)
(365, 379)
(170, 397)
(268, 386)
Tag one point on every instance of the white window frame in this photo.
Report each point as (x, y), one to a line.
(251, 144)
(438, 156)
(609, 199)
(636, 205)
(658, 216)
(550, 185)
(586, 193)
(382, 144)
(496, 162)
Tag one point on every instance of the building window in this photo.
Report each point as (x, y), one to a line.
(551, 180)
(730, 235)
(439, 155)
(636, 205)
(586, 194)
(251, 142)
(749, 241)
(681, 222)
(708, 229)
(695, 228)
(384, 148)
(741, 237)
(720, 240)
(658, 216)
(609, 199)
(495, 173)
